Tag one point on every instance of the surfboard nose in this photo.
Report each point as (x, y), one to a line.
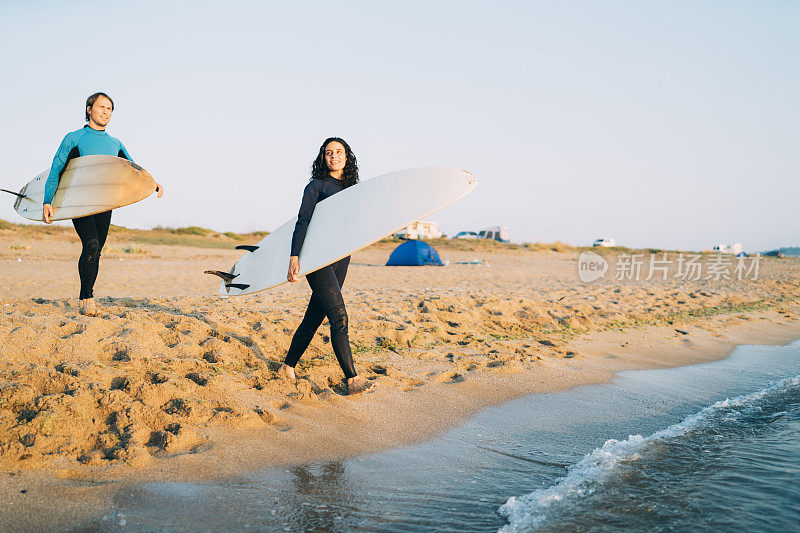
(470, 178)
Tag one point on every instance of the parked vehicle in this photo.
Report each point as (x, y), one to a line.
(734, 248)
(605, 241)
(424, 229)
(495, 233)
(466, 235)
(773, 253)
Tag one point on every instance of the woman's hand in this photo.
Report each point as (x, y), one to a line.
(159, 190)
(47, 213)
(294, 269)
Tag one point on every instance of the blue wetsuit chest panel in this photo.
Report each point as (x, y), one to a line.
(85, 141)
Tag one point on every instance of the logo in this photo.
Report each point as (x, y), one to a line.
(591, 266)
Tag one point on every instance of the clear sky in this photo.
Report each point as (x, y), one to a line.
(672, 124)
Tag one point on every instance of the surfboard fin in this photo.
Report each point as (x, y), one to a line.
(240, 286)
(247, 247)
(227, 276)
(14, 193)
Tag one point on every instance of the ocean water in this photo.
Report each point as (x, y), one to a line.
(734, 465)
(710, 447)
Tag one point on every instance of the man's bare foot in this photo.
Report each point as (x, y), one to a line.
(357, 384)
(287, 372)
(88, 308)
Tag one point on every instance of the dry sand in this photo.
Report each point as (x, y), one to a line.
(173, 382)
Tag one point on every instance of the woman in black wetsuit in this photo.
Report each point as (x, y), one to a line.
(334, 169)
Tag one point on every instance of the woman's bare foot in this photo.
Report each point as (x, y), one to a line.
(287, 372)
(88, 308)
(357, 384)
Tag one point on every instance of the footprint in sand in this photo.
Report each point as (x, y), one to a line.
(171, 339)
(68, 329)
(466, 364)
(409, 384)
(158, 378)
(66, 368)
(265, 415)
(174, 440)
(337, 386)
(272, 420)
(450, 377)
(119, 351)
(122, 355)
(177, 406)
(378, 369)
(120, 383)
(221, 336)
(305, 389)
(213, 356)
(200, 379)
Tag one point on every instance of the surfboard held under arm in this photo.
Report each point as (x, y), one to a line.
(347, 222)
(89, 184)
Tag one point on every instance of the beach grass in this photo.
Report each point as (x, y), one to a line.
(200, 237)
(191, 236)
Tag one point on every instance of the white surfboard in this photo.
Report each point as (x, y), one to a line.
(347, 222)
(90, 184)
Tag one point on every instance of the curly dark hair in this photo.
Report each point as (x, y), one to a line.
(92, 99)
(319, 169)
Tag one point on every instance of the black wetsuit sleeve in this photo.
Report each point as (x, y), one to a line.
(123, 153)
(310, 197)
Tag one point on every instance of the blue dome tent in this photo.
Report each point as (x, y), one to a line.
(414, 253)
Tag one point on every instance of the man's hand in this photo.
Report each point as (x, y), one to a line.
(159, 190)
(294, 269)
(47, 213)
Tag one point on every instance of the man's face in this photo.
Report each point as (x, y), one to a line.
(100, 112)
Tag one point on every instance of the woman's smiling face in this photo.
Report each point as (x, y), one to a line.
(335, 156)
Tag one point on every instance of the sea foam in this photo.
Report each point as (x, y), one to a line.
(582, 479)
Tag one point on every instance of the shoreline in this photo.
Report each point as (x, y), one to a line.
(62, 498)
(386, 418)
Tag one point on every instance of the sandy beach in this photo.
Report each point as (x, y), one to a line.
(170, 381)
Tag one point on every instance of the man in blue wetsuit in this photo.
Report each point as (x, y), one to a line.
(92, 139)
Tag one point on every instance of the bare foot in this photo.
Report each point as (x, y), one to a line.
(88, 308)
(357, 384)
(287, 372)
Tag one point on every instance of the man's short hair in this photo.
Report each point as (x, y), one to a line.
(92, 99)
